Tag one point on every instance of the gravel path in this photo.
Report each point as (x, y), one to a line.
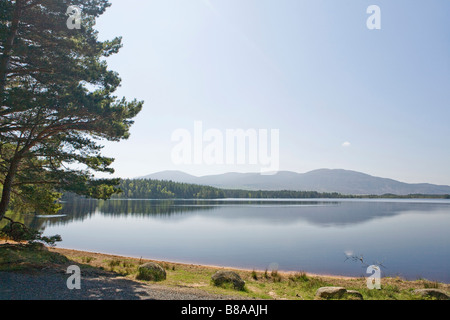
(51, 285)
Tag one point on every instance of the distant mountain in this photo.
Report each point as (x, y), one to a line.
(322, 180)
(176, 176)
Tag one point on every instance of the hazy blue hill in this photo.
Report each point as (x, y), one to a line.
(322, 180)
(177, 176)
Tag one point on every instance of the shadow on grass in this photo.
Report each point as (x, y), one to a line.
(31, 272)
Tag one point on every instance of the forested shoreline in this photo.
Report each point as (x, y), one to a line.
(166, 189)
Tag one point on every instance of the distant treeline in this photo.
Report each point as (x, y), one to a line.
(162, 189)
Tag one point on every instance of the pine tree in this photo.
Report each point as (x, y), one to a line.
(57, 101)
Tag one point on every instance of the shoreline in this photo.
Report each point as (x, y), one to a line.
(209, 266)
(71, 251)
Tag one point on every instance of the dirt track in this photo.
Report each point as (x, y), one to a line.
(51, 285)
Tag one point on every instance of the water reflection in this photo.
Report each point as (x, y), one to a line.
(321, 213)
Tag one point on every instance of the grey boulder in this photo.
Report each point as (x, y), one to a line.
(432, 293)
(223, 278)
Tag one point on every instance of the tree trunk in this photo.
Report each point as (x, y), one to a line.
(7, 187)
(4, 62)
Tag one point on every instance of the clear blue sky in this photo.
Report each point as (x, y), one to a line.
(311, 69)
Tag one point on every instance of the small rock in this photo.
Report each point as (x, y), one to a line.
(432, 293)
(354, 295)
(151, 272)
(330, 293)
(228, 277)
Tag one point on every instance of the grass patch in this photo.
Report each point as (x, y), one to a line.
(430, 284)
(299, 277)
(113, 263)
(276, 277)
(87, 259)
(15, 257)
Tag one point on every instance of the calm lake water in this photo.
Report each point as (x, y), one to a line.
(409, 238)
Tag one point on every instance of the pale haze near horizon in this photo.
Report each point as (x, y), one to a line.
(341, 95)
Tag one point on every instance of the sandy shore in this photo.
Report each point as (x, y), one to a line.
(101, 255)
